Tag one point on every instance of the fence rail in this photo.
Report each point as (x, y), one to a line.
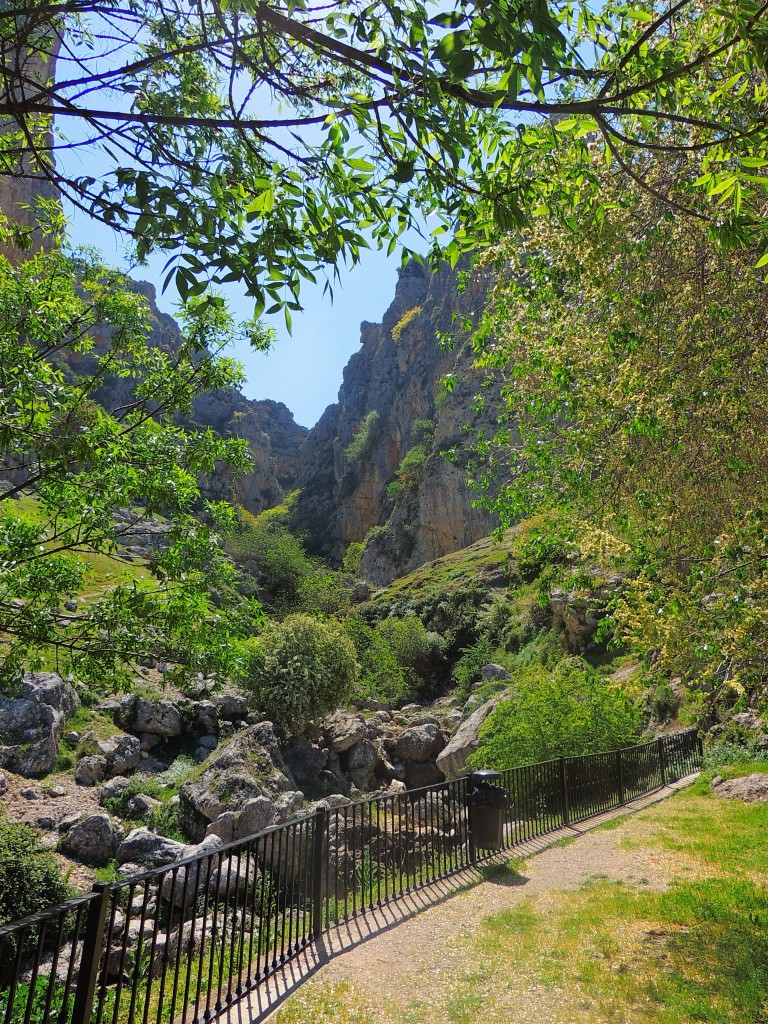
(177, 944)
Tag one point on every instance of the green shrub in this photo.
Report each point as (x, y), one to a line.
(364, 437)
(281, 561)
(381, 676)
(412, 463)
(353, 557)
(324, 592)
(569, 710)
(30, 878)
(404, 322)
(302, 668)
(466, 671)
(422, 431)
(394, 489)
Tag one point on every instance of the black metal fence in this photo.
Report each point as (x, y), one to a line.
(179, 943)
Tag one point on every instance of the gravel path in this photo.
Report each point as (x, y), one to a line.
(395, 958)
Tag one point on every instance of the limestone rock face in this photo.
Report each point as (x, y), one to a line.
(396, 374)
(31, 724)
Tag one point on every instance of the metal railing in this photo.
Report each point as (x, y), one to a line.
(177, 944)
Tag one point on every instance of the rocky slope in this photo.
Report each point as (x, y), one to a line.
(374, 459)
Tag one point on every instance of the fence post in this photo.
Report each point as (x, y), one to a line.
(662, 760)
(93, 940)
(620, 778)
(319, 849)
(564, 792)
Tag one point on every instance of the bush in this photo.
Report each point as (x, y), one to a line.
(567, 711)
(266, 539)
(324, 592)
(364, 437)
(302, 668)
(30, 878)
(381, 676)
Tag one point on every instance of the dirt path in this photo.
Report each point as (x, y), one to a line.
(395, 958)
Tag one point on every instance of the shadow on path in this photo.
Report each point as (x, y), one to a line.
(256, 1006)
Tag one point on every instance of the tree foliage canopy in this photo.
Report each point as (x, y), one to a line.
(261, 140)
(635, 400)
(68, 465)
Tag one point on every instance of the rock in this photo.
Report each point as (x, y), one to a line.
(90, 771)
(159, 717)
(144, 847)
(70, 606)
(419, 743)
(72, 739)
(93, 840)
(208, 743)
(114, 788)
(580, 613)
(422, 773)
(179, 887)
(492, 672)
(66, 823)
(223, 827)
(452, 720)
(343, 730)
(248, 766)
(287, 805)
(46, 821)
(30, 794)
(32, 723)
(230, 706)
(396, 786)
(305, 761)
(204, 717)
(3, 784)
(148, 741)
(361, 761)
(752, 789)
(452, 761)
(255, 815)
(57, 792)
(140, 805)
(122, 753)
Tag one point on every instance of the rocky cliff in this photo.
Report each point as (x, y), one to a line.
(373, 469)
(269, 428)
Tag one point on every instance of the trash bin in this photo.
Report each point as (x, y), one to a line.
(487, 804)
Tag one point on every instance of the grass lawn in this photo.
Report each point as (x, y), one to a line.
(610, 952)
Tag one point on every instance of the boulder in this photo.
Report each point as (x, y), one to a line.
(248, 766)
(223, 827)
(752, 789)
(419, 743)
(452, 761)
(493, 672)
(32, 723)
(142, 846)
(122, 753)
(160, 717)
(287, 805)
(114, 788)
(255, 815)
(361, 761)
(203, 717)
(230, 706)
(343, 730)
(140, 805)
(91, 770)
(305, 761)
(422, 773)
(179, 887)
(93, 840)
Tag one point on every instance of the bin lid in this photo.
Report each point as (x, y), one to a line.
(484, 777)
